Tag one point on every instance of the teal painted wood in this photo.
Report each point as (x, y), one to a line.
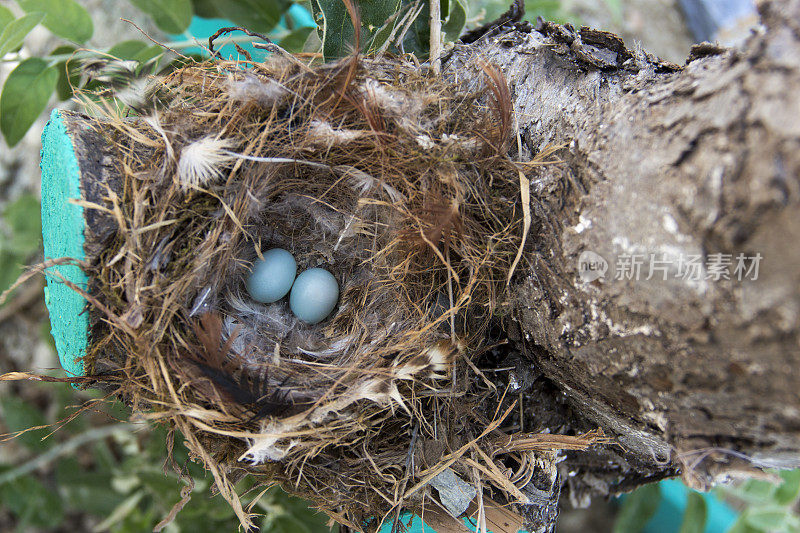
(418, 526)
(62, 230)
(668, 517)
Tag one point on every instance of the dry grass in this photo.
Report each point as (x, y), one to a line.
(394, 181)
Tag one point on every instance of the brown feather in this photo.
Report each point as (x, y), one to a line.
(501, 105)
(353, 63)
(436, 222)
(217, 362)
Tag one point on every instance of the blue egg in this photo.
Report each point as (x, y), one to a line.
(314, 295)
(271, 278)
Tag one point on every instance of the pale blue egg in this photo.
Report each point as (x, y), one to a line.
(314, 295)
(271, 278)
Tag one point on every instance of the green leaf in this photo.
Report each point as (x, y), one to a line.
(85, 489)
(455, 23)
(287, 514)
(637, 509)
(23, 217)
(295, 41)
(330, 17)
(171, 16)
(755, 491)
(255, 15)
(206, 9)
(616, 9)
(382, 34)
(164, 488)
(10, 269)
(6, 16)
(374, 14)
(418, 39)
(768, 518)
(25, 96)
(740, 526)
(32, 503)
(20, 239)
(694, 518)
(15, 32)
(19, 415)
(121, 511)
(336, 28)
(788, 491)
(549, 10)
(127, 50)
(148, 53)
(65, 18)
(45, 335)
(137, 51)
(68, 73)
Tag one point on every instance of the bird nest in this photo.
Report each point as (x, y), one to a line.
(394, 180)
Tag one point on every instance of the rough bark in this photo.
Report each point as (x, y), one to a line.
(660, 159)
(697, 378)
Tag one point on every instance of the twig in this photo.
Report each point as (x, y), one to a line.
(267, 45)
(162, 45)
(402, 36)
(229, 29)
(21, 301)
(436, 37)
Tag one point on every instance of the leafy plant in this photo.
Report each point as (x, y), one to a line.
(637, 509)
(31, 83)
(695, 516)
(399, 25)
(767, 507)
(554, 10)
(396, 25)
(20, 237)
(112, 473)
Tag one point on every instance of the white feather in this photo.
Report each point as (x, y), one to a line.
(203, 161)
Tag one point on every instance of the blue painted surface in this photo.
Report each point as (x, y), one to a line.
(418, 526)
(668, 517)
(202, 28)
(674, 496)
(62, 232)
(301, 17)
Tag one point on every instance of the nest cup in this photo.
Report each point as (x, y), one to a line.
(397, 183)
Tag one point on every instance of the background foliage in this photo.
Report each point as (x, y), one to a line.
(113, 473)
(108, 475)
(34, 80)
